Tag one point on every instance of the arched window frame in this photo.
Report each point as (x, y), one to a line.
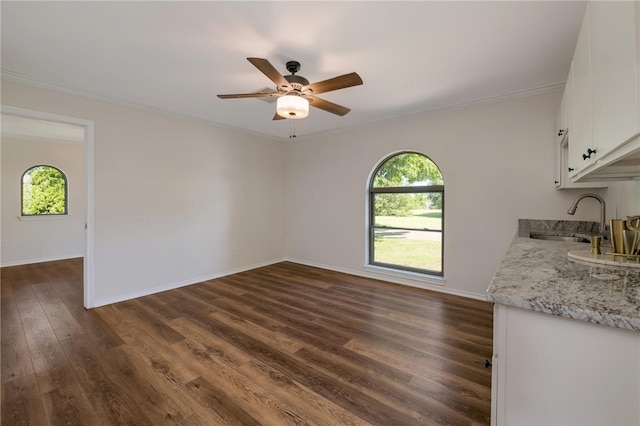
(66, 192)
(372, 191)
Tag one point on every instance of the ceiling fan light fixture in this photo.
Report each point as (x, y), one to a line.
(292, 106)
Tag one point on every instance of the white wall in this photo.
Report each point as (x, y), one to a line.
(623, 199)
(30, 240)
(497, 162)
(176, 200)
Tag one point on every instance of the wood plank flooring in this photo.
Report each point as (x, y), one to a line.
(285, 344)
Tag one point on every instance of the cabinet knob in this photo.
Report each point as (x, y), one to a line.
(556, 182)
(571, 169)
(560, 132)
(588, 154)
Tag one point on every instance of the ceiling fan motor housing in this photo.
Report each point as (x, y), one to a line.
(296, 82)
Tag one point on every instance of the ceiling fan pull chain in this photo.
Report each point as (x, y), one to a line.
(292, 129)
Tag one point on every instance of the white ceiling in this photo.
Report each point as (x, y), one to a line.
(176, 56)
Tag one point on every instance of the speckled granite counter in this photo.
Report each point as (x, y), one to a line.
(537, 275)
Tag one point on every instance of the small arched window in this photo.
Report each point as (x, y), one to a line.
(406, 210)
(44, 191)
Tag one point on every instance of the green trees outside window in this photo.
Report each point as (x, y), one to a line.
(44, 191)
(406, 204)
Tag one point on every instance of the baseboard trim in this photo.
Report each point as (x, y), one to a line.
(392, 279)
(172, 286)
(41, 260)
(196, 280)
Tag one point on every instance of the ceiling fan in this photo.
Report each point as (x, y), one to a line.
(294, 92)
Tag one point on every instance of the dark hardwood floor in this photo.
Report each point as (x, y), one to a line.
(284, 344)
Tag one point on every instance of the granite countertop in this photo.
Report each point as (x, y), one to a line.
(539, 276)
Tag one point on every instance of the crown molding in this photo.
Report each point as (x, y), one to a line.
(30, 81)
(34, 82)
(543, 90)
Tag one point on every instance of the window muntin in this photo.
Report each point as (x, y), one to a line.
(44, 191)
(406, 206)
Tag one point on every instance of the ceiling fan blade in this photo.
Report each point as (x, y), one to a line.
(267, 69)
(249, 95)
(322, 104)
(335, 83)
(278, 117)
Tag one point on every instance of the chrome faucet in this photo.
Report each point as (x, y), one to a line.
(574, 206)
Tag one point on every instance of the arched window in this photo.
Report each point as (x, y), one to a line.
(44, 191)
(406, 210)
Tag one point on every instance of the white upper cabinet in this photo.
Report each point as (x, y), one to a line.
(561, 128)
(581, 136)
(565, 124)
(614, 74)
(605, 142)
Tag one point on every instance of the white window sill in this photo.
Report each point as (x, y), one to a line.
(407, 275)
(43, 217)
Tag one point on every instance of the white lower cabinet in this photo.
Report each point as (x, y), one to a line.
(549, 370)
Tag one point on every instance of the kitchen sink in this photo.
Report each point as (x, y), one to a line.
(561, 236)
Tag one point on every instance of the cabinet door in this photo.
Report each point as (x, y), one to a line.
(565, 121)
(562, 152)
(561, 129)
(568, 163)
(558, 371)
(581, 133)
(614, 74)
(498, 369)
(568, 101)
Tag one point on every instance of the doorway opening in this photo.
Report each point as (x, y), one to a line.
(44, 128)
